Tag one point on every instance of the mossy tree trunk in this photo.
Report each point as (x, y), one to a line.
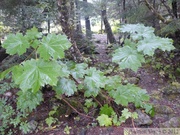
(66, 9)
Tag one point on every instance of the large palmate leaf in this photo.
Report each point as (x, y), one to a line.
(16, 44)
(125, 94)
(121, 95)
(95, 78)
(128, 57)
(79, 70)
(137, 31)
(104, 120)
(33, 34)
(27, 101)
(65, 86)
(64, 72)
(33, 74)
(53, 46)
(94, 81)
(7, 71)
(113, 82)
(149, 45)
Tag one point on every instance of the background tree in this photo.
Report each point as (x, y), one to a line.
(24, 14)
(101, 6)
(66, 8)
(87, 19)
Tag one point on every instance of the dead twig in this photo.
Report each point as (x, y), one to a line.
(76, 109)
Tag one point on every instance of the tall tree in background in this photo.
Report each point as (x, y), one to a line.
(175, 8)
(107, 25)
(101, 8)
(24, 14)
(77, 17)
(87, 23)
(124, 10)
(66, 8)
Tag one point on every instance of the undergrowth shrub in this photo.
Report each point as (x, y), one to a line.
(47, 67)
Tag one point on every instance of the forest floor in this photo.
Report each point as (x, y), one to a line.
(149, 79)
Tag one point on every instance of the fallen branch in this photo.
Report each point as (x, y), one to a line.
(76, 109)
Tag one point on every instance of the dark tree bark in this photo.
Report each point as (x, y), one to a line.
(88, 25)
(88, 28)
(65, 8)
(3, 54)
(108, 29)
(174, 8)
(78, 18)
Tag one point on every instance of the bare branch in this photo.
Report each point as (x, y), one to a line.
(168, 8)
(153, 10)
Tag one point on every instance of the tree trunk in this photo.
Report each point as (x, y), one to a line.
(78, 17)
(101, 24)
(108, 29)
(124, 10)
(174, 8)
(65, 9)
(88, 26)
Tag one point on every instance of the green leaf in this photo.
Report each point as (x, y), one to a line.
(126, 114)
(128, 42)
(53, 46)
(129, 93)
(137, 31)
(149, 109)
(33, 74)
(64, 72)
(134, 115)
(141, 95)
(152, 112)
(166, 44)
(52, 112)
(89, 103)
(7, 71)
(33, 34)
(65, 86)
(27, 101)
(104, 120)
(79, 70)
(50, 121)
(35, 43)
(94, 81)
(25, 127)
(95, 78)
(16, 44)
(113, 82)
(149, 45)
(121, 95)
(91, 91)
(127, 57)
(106, 110)
(115, 120)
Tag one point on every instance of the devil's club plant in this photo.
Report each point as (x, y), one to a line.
(66, 78)
(143, 42)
